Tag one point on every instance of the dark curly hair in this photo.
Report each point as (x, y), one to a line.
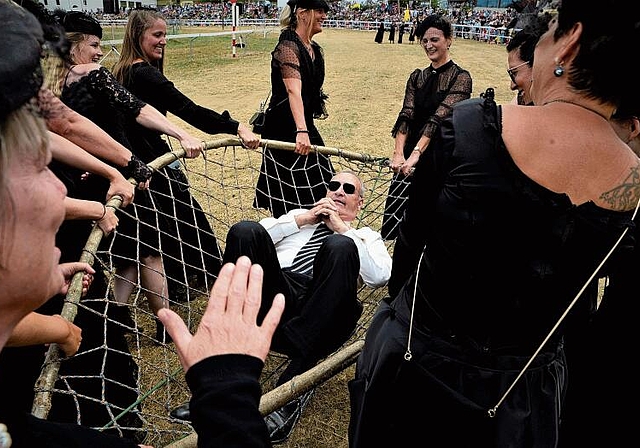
(437, 21)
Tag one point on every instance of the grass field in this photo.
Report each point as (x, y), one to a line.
(365, 82)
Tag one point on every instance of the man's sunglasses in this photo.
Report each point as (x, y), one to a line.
(513, 70)
(348, 188)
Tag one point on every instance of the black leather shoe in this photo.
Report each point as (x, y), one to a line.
(281, 422)
(181, 412)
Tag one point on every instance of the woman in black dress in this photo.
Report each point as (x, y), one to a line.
(190, 239)
(428, 98)
(412, 33)
(379, 34)
(392, 33)
(297, 179)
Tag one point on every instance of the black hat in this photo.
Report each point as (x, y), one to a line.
(20, 70)
(79, 22)
(309, 4)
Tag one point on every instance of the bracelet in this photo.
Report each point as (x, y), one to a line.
(104, 212)
(302, 131)
(417, 149)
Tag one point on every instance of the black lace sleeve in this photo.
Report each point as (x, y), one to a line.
(451, 86)
(292, 60)
(287, 57)
(102, 81)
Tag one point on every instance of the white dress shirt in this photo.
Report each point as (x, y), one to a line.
(375, 261)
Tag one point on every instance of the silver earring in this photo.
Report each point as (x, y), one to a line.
(558, 71)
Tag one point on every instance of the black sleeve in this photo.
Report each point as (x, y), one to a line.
(225, 402)
(28, 431)
(167, 97)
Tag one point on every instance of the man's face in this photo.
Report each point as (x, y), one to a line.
(346, 195)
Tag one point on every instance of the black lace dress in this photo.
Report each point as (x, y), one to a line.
(100, 98)
(428, 98)
(288, 180)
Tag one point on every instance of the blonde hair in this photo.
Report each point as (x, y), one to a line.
(23, 135)
(55, 68)
(287, 18)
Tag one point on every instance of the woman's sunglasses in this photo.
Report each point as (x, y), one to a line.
(348, 188)
(513, 70)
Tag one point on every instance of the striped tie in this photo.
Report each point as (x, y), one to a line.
(303, 262)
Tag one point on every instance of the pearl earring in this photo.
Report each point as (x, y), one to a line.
(559, 70)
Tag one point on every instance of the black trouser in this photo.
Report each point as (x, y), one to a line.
(321, 311)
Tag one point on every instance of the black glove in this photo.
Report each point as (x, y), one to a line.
(137, 169)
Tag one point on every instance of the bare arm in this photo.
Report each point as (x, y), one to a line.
(81, 209)
(71, 154)
(36, 329)
(66, 122)
(294, 91)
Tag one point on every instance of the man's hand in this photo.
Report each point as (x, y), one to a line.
(229, 324)
(325, 210)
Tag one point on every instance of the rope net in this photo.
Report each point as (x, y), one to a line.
(126, 378)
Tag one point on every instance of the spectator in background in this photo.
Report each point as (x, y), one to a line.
(429, 95)
(290, 180)
(412, 32)
(380, 33)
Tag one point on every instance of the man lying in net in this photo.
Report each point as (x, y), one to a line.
(317, 259)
